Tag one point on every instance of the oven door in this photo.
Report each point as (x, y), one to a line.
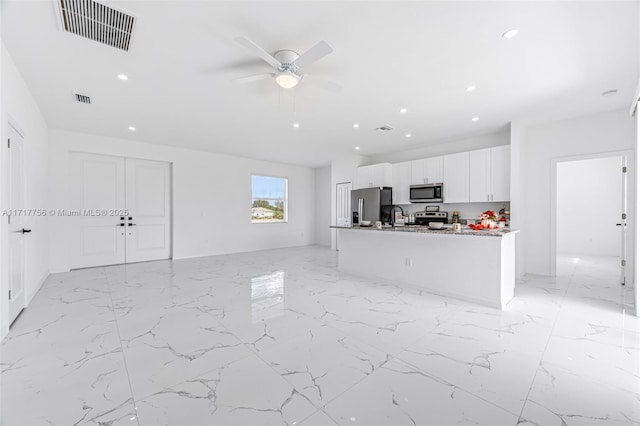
(428, 193)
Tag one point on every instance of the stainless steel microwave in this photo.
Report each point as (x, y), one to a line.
(426, 193)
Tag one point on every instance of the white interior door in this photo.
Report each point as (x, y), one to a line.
(343, 204)
(343, 207)
(98, 186)
(623, 223)
(149, 204)
(17, 233)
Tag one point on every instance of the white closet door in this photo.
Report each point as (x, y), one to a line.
(97, 183)
(148, 201)
(16, 246)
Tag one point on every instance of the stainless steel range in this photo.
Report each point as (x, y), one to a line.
(423, 218)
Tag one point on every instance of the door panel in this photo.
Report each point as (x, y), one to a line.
(456, 178)
(479, 175)
(623, 222)
(16, 225)
(501, 173)
(148, 201)
(98, 184)
(343, 204)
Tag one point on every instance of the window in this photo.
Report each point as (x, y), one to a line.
(268, 199)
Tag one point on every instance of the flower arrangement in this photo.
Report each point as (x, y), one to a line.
(488, 215)
(487, 220)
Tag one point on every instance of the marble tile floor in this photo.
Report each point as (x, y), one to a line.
(282, 337)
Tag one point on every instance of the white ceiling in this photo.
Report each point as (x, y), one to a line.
(387, 55)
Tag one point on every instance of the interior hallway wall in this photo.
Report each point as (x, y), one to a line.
(211, 198)
(20, 108)
(543, 145)
(589, 206)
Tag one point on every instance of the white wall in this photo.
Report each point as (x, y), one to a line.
(589, 206)
(518, 212)
(211, 198)
(20, 109)
(545, 144)
(323, 205)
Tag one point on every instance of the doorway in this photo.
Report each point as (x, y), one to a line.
(121, 210)
(591, 224)
(16, 226)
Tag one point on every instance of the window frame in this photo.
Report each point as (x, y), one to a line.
(285, 199)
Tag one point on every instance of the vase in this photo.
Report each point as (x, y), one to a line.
(488, 223)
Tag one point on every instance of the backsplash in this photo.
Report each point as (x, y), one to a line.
(467, 210)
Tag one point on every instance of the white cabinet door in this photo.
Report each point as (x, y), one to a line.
(401, 173)
(433, 172)
(417, 172)
(365, 177)
(501, 173)
(97, 185)
(375, 175)
(148, 201)
(456, 178)
(479, 175)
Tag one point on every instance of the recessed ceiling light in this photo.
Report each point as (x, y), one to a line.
(608, 93)
(357, 148)
(132, 128)
(475, 119)
(403, 110)
(408, 135)
(123, 77)
(296, 125)
(355, 126)
(471, 89)
(510, 33)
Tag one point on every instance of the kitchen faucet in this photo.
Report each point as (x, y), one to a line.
(393, 216)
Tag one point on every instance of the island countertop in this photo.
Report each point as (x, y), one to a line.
(448, 231)
(477, 266)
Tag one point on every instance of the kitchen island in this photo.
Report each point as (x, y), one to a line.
(477, 266)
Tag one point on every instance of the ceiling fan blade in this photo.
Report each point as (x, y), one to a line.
(323, 84)
(320, 50)
(251, 78)
(259, 51)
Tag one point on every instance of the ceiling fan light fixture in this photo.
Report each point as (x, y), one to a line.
(287, 80)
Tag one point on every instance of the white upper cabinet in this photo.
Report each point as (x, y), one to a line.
(456, 178)
(401, 180)
(426, 170)
(480, 175)
(501, 173)
(376, 175)
(490, 174)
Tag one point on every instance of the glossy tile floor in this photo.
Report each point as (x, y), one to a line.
(281, 337)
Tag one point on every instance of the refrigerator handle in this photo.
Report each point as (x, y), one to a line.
(360, 209)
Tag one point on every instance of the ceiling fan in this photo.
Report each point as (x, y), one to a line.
(288, 65)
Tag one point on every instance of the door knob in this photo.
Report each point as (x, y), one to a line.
(24, 231)
(120, 224)
(131, 224)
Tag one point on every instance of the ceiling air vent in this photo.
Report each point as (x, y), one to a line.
(84, 99)
(383, 129)
(97, 22)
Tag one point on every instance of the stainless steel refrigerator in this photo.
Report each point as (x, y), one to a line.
(370, 204)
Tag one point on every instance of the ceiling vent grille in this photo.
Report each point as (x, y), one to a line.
(383, 129)
(83, 98)
(97, 22)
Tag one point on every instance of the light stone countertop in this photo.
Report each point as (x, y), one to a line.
(426, 230)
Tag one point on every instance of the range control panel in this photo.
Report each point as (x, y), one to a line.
(431, 215)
